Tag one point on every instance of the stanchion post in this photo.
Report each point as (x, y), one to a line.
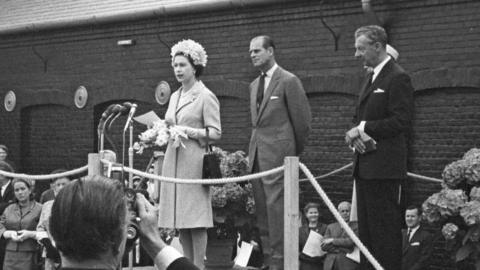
(291, 213)
(94, 164)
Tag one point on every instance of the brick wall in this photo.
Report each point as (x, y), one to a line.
(438, 43)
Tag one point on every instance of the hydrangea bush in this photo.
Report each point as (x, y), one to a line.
(233, 203)
(457, 207)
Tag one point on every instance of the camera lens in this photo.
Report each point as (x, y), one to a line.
(132, 231)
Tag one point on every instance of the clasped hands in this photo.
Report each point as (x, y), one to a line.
(353, 139)
(19, 236)
(327, 245)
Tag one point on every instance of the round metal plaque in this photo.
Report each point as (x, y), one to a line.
(10, 101)
(81, 97)
(162, 93)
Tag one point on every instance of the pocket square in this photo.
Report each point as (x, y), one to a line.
(273, 97)
(379, 91)
(415, 244)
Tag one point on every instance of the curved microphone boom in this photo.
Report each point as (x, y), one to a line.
(103, 119)
(133, 109)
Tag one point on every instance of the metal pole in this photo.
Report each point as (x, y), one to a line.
(130, 183)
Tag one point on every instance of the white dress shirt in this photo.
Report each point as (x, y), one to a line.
(376, 71)
(268, 76)
(412, 231)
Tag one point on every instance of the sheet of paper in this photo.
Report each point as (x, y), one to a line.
(313, 246)
(354, 255)
(243, 254)
(147, 118)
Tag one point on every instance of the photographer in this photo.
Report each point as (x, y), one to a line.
(88, 223)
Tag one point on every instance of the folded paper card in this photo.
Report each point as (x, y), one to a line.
(147, 118)
(313, 246)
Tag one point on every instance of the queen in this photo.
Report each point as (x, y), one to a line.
(193, 108)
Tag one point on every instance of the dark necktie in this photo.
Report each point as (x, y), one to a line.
(261, 88)
(370, 79)
(409, 232)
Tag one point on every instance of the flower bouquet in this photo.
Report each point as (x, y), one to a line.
(233, 203)
(159, 134)
(457, 208)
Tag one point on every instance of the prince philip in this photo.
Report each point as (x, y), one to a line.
(280, 125)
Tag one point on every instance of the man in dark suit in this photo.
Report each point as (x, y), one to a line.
(280, 126)
(337, 243)
(384, 113)
(98, 236)
(417, 244)
(7, 197)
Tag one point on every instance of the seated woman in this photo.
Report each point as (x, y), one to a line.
(17, 225)
(312, 214)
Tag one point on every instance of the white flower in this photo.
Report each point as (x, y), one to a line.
(192, 49)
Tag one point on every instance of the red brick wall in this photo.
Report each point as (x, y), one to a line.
(438, 43)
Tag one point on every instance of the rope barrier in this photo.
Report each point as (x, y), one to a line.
(413, 175)
(195, 181)
(340, 220)
(205, 181)
(44, 176)
(421, 177)
(330, 173)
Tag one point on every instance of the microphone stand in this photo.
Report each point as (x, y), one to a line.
(130, 175)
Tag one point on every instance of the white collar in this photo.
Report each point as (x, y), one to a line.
(379, 67)
(413, 230)
(269, 72)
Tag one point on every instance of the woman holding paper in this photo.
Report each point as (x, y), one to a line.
(313, 226)
(191, 109)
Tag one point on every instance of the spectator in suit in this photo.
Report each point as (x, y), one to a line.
(384, 112)
(52, 259)
(337, 243)
(7, 197)
(100, 242)
(55, 186)
(417, 242)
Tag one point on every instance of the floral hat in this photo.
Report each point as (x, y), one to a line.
(192, 49)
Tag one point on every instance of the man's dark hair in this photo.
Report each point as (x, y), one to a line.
(88, 218)
(373, 32)
(267, 41)
(59, 171)
(413, 206)
(5, 166)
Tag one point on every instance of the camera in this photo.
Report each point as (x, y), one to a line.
(133, 229)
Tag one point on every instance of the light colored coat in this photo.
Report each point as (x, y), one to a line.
(188, 205)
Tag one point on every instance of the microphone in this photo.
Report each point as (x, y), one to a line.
(133, 108)
(105, 115)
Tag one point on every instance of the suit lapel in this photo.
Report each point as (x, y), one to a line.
(253, 100)
(189, 97)
(266, 97)
(366, 91)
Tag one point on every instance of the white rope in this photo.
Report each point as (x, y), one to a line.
(421, 177)
(202, 181)
(44, 176)
(340, 220)
(330, 173)
(413, 175)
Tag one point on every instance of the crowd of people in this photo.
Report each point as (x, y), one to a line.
(281, 122)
